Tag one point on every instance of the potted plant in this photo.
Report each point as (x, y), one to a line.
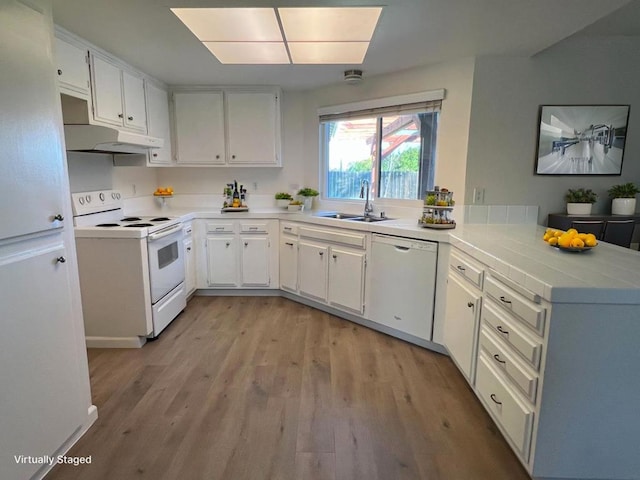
(283, 199)
(580, 201)
(624, 198)
(295, 206)
(306, 195)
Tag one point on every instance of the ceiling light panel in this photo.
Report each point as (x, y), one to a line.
(231, 24)
(343, 24)
(244, 53)
(328, 52)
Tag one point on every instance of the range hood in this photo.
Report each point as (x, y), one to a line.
(99, 139)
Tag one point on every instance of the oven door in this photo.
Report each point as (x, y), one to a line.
(166, 261)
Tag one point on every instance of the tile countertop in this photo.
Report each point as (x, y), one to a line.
(605, 274)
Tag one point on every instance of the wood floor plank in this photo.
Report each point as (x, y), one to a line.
(263, 388)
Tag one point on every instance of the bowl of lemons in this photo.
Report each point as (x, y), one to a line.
(571, 240)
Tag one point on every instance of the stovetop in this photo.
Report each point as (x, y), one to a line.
(99, 214)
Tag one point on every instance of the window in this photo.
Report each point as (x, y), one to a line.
(391, 147)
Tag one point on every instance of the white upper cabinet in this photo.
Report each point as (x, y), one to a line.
(227, 127)
(199, 128)
(118, 96)
(72, 62)
(252, 128)
(158, 123)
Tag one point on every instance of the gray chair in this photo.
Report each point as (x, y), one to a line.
(619, 232)
(589, 226)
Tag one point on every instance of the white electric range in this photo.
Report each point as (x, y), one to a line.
(131, 270)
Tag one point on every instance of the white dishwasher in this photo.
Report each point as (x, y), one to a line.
(403, 273)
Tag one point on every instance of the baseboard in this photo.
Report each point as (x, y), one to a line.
(115, 342)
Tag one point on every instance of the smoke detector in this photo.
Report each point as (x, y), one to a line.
(352, 77)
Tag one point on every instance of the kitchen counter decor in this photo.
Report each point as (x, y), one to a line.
(570, 241)
(437, 210)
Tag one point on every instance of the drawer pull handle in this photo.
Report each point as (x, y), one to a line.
(461, 268)
(334, 256)
(321, 253)
(287, 228)
(504, 300)
(61, 260)
(228, 243)
(501, 330)
(219, 228)
(289, 243)
(470, 304)
(498, 359)
(253, 228)
(493, 397)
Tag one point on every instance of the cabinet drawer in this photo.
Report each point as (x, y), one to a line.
(351, 239)
(213, 227)
(506, 408)
(253, 228)
(532, 314)
(463, 265)
(505, 361)
(510, 332)
(288, 228)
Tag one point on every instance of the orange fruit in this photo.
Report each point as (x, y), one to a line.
(564, 240)
(577, 243)
(553, 241)
(572, 231)
(582, 236)
(591, 241)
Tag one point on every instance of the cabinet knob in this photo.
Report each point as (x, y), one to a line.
(228, 243)
(59, 72)
(246, 244)
(61, 260)
(120, 115)
(335, 256)
(495, 400)
(58, 217)
(129, 118)
(470, 304)
(233, 156)
(321, 253)
(217, 156)
(188, 249)
(155, 155)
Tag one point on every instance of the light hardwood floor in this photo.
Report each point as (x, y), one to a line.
(253, 388)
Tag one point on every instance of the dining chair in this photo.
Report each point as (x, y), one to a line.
(589, 226)
(619, 232)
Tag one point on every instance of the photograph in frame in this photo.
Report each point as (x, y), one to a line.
(581, 139)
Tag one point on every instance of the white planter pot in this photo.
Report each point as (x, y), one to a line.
(308, 202)
(282, 203)
(579, 208)
(623, 206)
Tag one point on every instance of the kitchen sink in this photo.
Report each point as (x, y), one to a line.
(369, 219)
(343, 216)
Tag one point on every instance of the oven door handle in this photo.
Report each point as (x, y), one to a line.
(164, 233)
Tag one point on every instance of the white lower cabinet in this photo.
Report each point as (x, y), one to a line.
(289, 263)
(346, 279)
(461, 325)
(239, 254)
(314, 270)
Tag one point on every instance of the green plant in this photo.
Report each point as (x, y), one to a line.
(295, 202)
(581, 195)
(308, 192)
(627, 190)
(283, 196)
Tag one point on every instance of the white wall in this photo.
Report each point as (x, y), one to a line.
(455, 76)
(507, 93)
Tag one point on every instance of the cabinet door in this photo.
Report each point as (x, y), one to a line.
(107, 91)
(461, 325)
(289, 264)
(252, 125)
(189, 265)
(222, 261)
(313, 263)
(158, 123)
(199, 127)
(41, 400)
(254, 262)
(346, 279)
(135, 111)
(31, 158)
(72, 68)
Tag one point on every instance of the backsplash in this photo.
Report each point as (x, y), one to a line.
(501, 214)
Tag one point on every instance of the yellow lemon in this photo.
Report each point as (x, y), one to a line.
(557, 233)
(591, 242)
(572, 231)
(577, 243)
(564, 240)
(546, 237)
(553, 241)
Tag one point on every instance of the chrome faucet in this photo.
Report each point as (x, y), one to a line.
(368, 207)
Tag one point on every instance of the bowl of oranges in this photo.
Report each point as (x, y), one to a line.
(571, 240)
(163, 192)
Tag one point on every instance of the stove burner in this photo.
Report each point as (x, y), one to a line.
(131, 219)
(139, 225)
(108, 225)
(160, 219)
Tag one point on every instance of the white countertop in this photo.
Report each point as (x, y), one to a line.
(605, 274)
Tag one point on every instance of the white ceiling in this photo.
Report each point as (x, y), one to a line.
(410, 33)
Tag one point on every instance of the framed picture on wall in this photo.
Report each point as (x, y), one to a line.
(581, 139)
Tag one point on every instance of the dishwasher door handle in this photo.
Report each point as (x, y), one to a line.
(401, 249)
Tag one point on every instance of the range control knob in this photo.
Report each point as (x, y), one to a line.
(88, 198)
(81, 200)
(113, 195)
(118, 196)
(101, 196)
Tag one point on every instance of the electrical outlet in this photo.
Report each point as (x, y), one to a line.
(478, 195)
